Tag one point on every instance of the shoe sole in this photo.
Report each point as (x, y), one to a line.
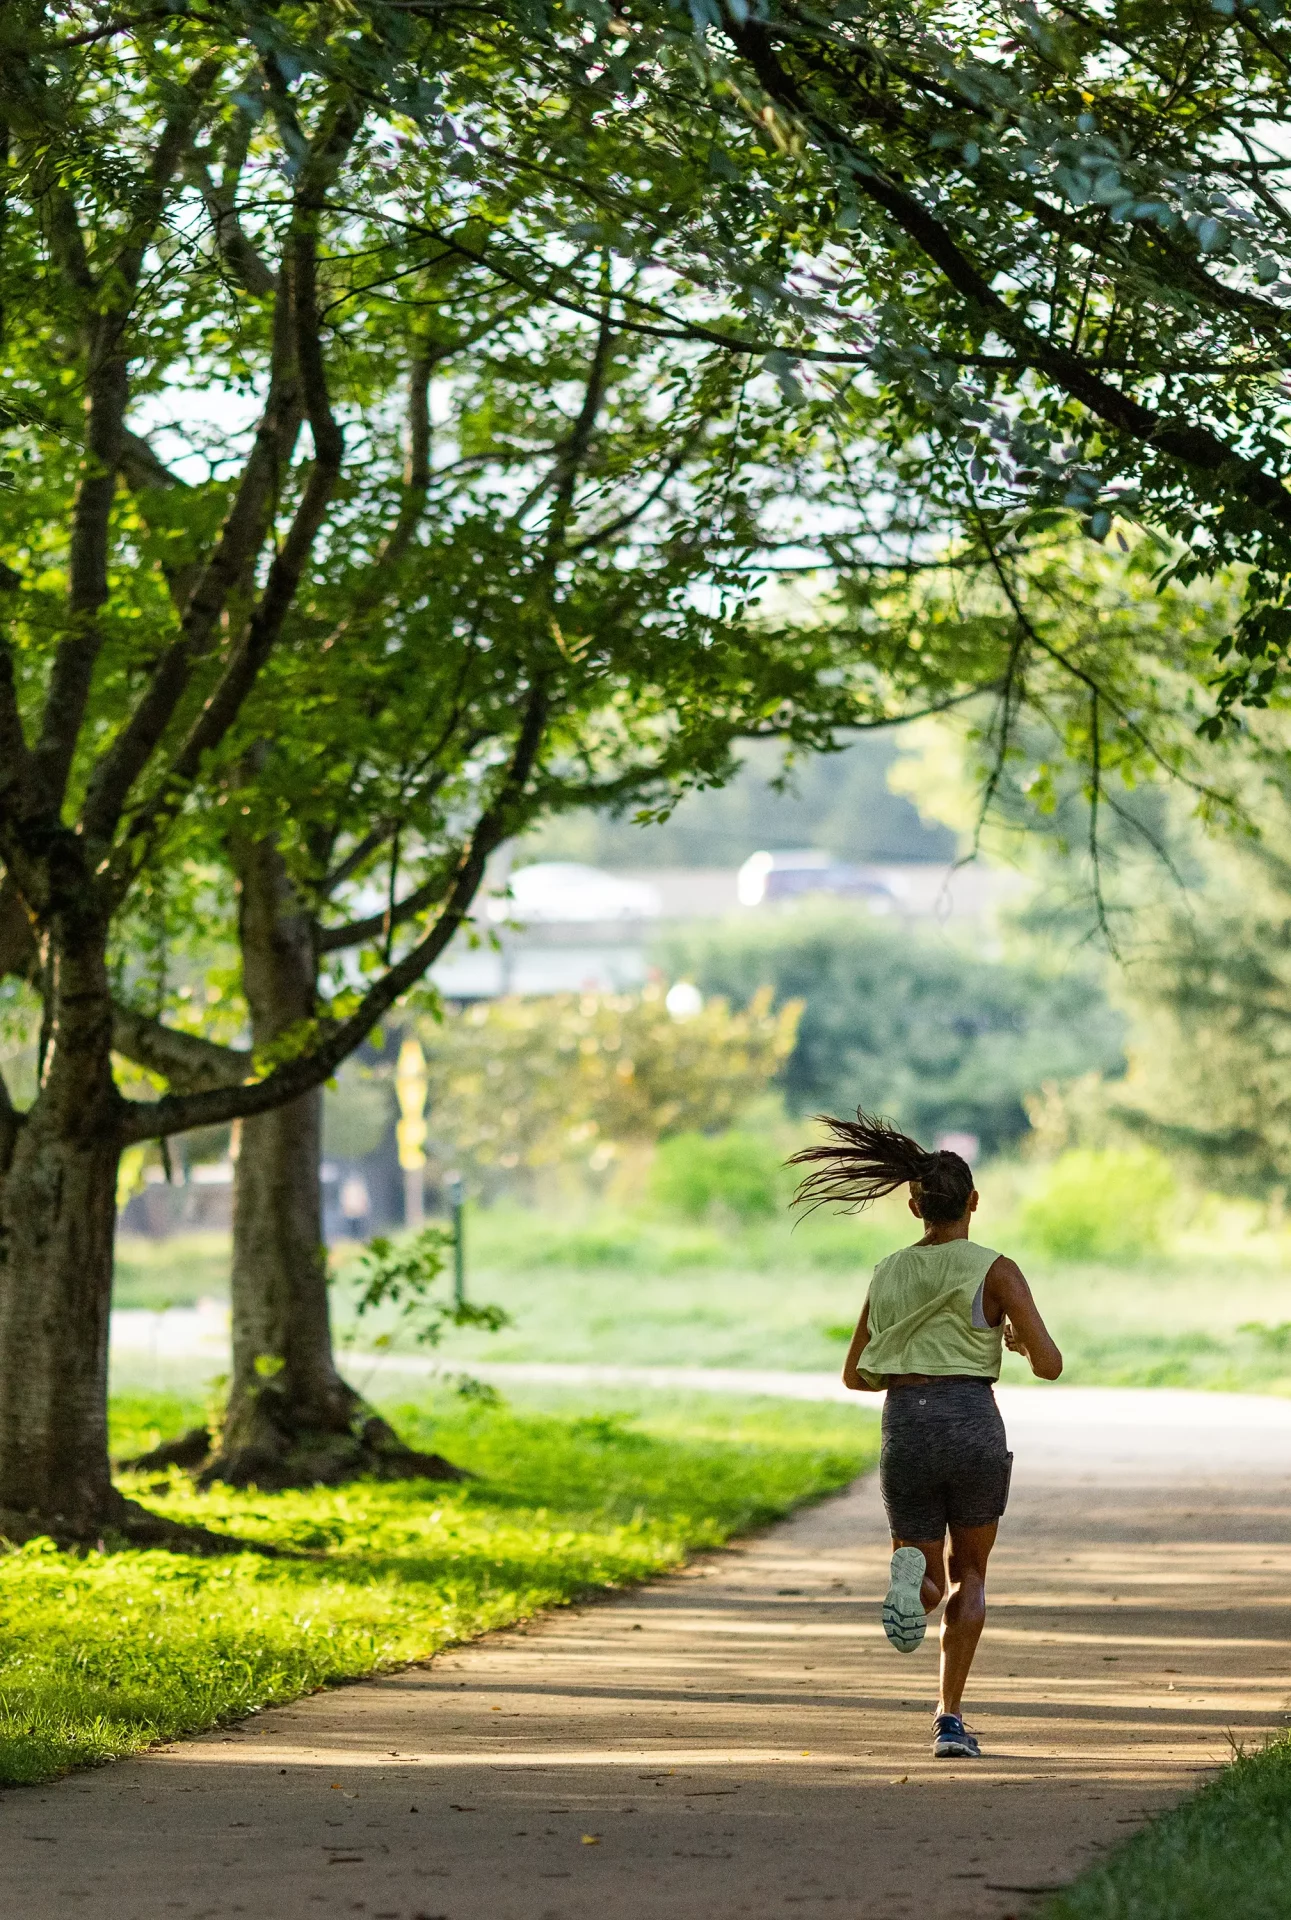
(904, 1621)
(956, 1751)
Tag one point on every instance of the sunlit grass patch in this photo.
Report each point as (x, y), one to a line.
(1225, 1851)
(171, 1272)
(103, 1654)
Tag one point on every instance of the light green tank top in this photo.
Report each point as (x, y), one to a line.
(921, 1314)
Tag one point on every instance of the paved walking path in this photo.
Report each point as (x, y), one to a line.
(739, 1740)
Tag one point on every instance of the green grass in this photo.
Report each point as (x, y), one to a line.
(633, 1289)
(105, 1653)
(614, 1287)
(1206, 1316)
(1227, 1850)
(624, 1290)
(171, 1273)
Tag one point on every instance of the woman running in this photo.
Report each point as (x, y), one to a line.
(931, 1332)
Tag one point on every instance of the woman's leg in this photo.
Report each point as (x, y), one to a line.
(965, 1615)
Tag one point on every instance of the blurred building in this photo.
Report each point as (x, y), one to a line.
(563, 927)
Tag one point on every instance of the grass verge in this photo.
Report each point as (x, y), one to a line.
(105, 1653)
(606, 1285)
(1225, 1851)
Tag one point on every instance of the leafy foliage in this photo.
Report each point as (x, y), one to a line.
(556, 435)
(733, 1172)
(1208, 991)
(1091, 1205)
(526, 1083)
(909, 1024)
(508, 569)
(402, 1275)
(1044, 249)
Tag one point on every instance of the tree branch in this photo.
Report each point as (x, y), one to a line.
(107, 392)
(141, 468)
(177, 1114)
(144, 473)
(10, 1124)
(238, 547)
(412, 504)
(421, 791)
(1194, 446)
(1087, 680)
(302, 383)
(244, 262)
(185, 1059)
(356, 932)
(563, 477)
(363, 849)
(16, 782)
(19, 953)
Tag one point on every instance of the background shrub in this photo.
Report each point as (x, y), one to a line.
(905, 1021)
(1100, 1205)
(741, 1173)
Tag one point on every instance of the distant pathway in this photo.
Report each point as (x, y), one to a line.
(1197, 1421)
(739, 1740)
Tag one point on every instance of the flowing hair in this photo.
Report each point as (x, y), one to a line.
(868, 1157)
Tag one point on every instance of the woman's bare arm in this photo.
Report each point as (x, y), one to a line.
(1007, 1297)
(860, 1340)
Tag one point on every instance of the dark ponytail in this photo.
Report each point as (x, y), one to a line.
(867, 1157)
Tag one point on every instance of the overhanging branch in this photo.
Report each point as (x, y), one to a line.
(180, 1113)
(107, 392)
(297, 308)
(1194, 446)
(185, 1060)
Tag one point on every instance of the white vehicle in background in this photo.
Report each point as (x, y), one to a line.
(766, 878)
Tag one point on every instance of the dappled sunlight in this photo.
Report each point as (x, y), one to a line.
(746, 1706)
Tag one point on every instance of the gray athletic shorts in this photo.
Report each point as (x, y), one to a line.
(945, 1459)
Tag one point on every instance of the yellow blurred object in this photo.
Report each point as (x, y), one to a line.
(410, 1084)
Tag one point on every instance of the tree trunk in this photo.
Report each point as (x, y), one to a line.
(57, 1219)
(291, 1419)
(58, 1197)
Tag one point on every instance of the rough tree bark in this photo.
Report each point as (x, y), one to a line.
(57, 1218)
(291, 1419)
(58, 1202)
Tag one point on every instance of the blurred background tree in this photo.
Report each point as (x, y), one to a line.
(840, 802)
(523, 1084)
(910, 1022)
(1207, 992)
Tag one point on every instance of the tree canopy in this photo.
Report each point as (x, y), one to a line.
(1040, 251)
(324, 522)
(1060, 250)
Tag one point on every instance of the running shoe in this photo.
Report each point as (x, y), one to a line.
(951, 1739)
(903, 1616)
